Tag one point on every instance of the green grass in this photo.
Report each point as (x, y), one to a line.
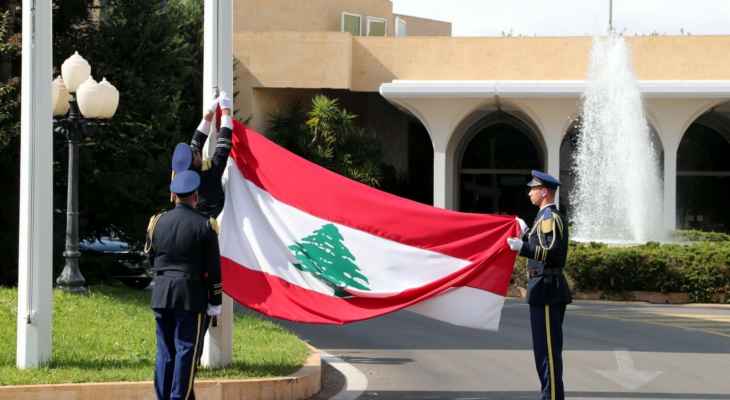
(109, 335)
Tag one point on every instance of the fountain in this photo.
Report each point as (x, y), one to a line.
(617, 195)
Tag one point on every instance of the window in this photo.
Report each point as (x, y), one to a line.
(351, 23)
(377, 26)
(401, 27)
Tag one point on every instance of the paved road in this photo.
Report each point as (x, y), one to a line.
(612, 351)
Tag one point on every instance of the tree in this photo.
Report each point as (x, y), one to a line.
(324, 254)
(9, 84)
(148, 49)
(9, 144)
(152, 52)
(328, 136)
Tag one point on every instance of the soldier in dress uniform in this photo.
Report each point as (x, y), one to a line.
(211, 196)
(548, 294)
(183, 251)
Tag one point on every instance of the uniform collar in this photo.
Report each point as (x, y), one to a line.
(183, 205)
(547, 205)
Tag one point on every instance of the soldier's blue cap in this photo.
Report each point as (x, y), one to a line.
(540, 178)
(182, 157)
(185, 182)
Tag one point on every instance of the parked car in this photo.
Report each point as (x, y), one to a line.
(111, 258)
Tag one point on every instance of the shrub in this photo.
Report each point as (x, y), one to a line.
(702, 269)
(700, 236)
(327, 135)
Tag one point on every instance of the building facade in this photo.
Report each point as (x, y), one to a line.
(469, 117)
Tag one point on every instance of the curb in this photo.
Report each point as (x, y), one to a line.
(303, 384)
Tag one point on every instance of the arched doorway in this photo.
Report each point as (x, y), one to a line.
(494, 164)
(703, 173)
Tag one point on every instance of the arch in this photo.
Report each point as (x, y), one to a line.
(567, 148)
(482, 182)
(496, 117)
(409, 109)
(652, 121)
(465, 125)
(703, 172)
(707, 106)
(716, 122)
(419, 181)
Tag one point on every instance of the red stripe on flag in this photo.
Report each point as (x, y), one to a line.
(276, 297)
(322, 193)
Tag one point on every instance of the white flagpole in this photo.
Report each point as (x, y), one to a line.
(218, 74)
(35, 241)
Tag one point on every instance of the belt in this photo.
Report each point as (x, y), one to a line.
(533, 272)
(177, 274)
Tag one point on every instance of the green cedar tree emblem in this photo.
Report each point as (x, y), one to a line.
(324, 254)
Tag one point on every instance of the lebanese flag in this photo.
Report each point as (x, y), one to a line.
(301, 243)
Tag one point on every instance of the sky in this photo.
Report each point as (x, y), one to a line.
(573, 17)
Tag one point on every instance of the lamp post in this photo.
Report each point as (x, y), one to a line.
(78, 103)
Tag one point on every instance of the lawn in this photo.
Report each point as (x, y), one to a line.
(109, 335)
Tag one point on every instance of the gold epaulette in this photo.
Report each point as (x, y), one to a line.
(552, 224)
(546, 225)
(151, 231)
(214, 225)
(206, 165)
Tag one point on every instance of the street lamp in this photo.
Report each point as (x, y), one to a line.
(78, 103)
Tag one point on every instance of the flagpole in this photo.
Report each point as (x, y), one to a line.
(35, 240)
(218, 75)
(610, 16)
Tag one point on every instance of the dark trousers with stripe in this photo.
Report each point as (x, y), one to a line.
(547, 345)
(179, 338)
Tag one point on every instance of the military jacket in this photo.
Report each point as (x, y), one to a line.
(546, 247)
(182, 247)
(210, 193)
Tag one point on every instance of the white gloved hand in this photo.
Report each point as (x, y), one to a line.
(214, 311)
(515, 244)
(225, 101)
(212, 105)
(523, 225)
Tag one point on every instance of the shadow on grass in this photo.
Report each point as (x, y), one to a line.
(101, 364)
(123, 294)
(247, 370)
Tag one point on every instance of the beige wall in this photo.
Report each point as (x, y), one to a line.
(292, 59)
(335, 60)
(377, 60)
(425, 27)
(323, 16)
(304, 15)
(288, 60)
(321, 60)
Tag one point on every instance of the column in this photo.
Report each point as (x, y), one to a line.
(553, 159)
(670, 186)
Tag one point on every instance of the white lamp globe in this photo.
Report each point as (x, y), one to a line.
(75, 71)
(59, 97)
(87, 96)
(108, 99)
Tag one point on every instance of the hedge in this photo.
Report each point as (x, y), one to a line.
(699, 268)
